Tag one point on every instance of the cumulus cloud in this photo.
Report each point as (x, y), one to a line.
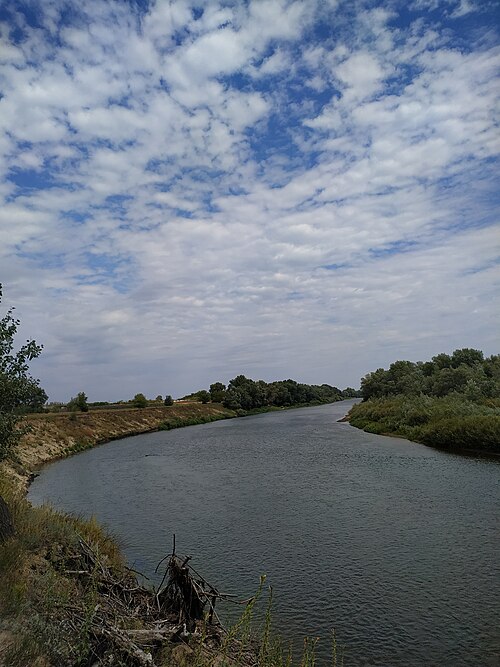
(283, 189)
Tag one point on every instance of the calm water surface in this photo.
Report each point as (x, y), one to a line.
(394, 544)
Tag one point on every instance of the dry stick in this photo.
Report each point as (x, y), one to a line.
(165, 557)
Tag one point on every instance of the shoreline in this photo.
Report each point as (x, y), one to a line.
(483, 453)
(53, 437)
(49, 555)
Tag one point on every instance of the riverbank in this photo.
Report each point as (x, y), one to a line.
(67, 596)
(49, 595)
(51, 437)
(450, 423)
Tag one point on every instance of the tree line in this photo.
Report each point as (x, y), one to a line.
(242, 393)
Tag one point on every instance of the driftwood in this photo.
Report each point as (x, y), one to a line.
(6, 523)
(122, 602)
(129, 624)
(187, 597)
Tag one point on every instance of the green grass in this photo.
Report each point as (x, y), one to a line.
(179, 422)
(451, 422)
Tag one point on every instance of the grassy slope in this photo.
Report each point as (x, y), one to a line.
(452, 422)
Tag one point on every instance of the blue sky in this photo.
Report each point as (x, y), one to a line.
(281, 189)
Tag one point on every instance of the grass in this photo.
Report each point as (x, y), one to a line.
(451, 422)
(35, 594)
(178, 422)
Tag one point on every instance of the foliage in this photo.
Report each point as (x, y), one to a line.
(242, 393)
(79, 402)
(217, 392)
(452, 421)
(449, 401)
(168, 400)
(350, 392)
(466, 372)
(140, 401)
(19, 392)
(204, 396)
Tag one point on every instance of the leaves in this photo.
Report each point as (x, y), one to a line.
(19, 392)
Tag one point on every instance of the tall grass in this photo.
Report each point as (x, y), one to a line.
(449, 422)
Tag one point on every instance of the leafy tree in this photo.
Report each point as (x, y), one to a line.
(244, 393)
(204, 396)
(350, 392)
(465, 372)
(168, 400)
(18, 390)
(79, 402)
(467, 356)
(140, 401)
(159, 399)
(217, 392)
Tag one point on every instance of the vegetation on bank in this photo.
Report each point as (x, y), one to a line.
(243, 393)
(67, 599)
(451, 402)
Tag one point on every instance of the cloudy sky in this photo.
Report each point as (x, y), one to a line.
(190, 190)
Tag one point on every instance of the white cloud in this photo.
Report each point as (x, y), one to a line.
(205, 210)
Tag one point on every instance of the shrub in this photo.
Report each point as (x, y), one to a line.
(140, 401)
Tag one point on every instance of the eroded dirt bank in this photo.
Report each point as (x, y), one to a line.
(56, 436)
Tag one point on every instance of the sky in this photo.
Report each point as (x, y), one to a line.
(284, 189)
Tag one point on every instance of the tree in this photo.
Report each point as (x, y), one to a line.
(467, 356)
(217, 392)
(79, 402)
(168, 400)
(204, 396)
(18, 390)
(140, 401)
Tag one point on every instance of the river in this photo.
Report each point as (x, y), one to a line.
(393, 544)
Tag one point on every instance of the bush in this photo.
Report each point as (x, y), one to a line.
(79, 402)
(140, 401)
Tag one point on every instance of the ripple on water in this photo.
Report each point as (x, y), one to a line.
(392, 543)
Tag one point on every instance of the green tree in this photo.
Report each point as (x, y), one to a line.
(140, 401)
(203, 396)
(467, 356)
(168, 400)
(18, 390)
(217, 392)
(79, 402)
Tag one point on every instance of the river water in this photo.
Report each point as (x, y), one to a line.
(393, 544)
